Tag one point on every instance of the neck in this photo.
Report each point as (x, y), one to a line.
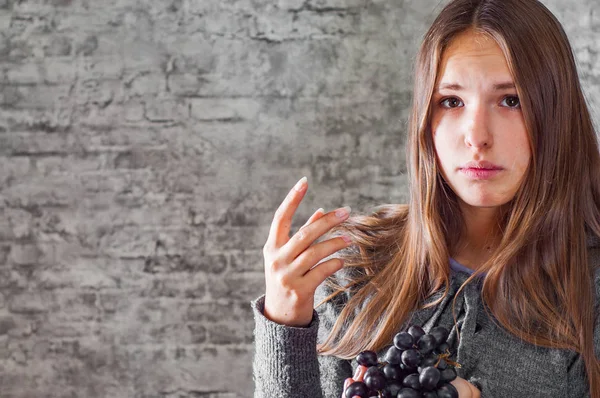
(480, 236)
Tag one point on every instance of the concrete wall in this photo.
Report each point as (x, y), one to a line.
(144, 147)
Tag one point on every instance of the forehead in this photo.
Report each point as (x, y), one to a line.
(473, 52)
(472, 43)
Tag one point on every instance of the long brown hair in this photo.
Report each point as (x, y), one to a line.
(539, 283)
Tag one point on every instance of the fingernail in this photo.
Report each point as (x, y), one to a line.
(301, 184)
(320, 209)
(347, 239)
(357, 373)
(343, 212)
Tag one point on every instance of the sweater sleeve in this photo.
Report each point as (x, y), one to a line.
(285, 359)
(286, 363)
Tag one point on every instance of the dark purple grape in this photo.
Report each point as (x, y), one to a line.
(412, 368)
(393, 355)
(393, 387)
(442, 364)
(447, 391)
(440, 333)
(426, 344)
(412, 381)
(447, 375)
(408, 393)
(441, 349)
(385, 394)
(372, 370)
(375, 380)
(380, 394)
(411, 358)
(429, 360)
(403, 341)
(416, 332)
(358, 388)
(367, 358)
(393, 372)
(429, 377)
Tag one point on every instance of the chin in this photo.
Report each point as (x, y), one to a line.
(484, 205)
(483, 200)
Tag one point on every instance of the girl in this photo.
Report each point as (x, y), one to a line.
(498, 243)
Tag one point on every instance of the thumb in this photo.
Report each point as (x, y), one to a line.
(465, 389)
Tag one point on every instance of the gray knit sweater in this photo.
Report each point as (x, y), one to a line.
(286, 363)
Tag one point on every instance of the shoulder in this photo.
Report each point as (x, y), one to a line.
(343, 280)
(333, 295)
(593, 248)
(376, 235)
(592, 242)
(329, 306)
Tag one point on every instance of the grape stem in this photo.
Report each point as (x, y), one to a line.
(446, 356)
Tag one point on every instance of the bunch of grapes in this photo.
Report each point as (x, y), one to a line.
(418, 365)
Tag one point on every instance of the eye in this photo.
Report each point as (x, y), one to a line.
(512, 101)
(450, 102)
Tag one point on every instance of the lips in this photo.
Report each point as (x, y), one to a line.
(480, 174)
(481, 165)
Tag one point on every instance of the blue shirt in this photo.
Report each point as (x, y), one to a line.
(456, 266)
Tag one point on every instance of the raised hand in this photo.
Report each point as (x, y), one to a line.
(290, 272)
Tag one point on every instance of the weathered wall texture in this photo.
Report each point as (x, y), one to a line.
(144, 147)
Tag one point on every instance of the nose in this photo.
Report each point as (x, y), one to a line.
(477, 127)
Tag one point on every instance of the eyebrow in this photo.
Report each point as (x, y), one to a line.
(458, 87)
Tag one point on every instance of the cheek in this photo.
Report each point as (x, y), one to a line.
(444, 141)
(522, 151)
(444, 156)
(445, 127)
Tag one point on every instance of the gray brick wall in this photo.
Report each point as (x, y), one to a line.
(144, 147)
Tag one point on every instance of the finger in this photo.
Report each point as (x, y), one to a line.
(324, 270)
(306, 237)
(475, 391)
(318, 254)
(359, 373)
(463, 388)
(316, 215)
(347, 382)
(279, 233)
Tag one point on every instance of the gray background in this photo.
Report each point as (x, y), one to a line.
(144, 147)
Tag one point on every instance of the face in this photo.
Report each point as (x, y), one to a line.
(476, 117)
